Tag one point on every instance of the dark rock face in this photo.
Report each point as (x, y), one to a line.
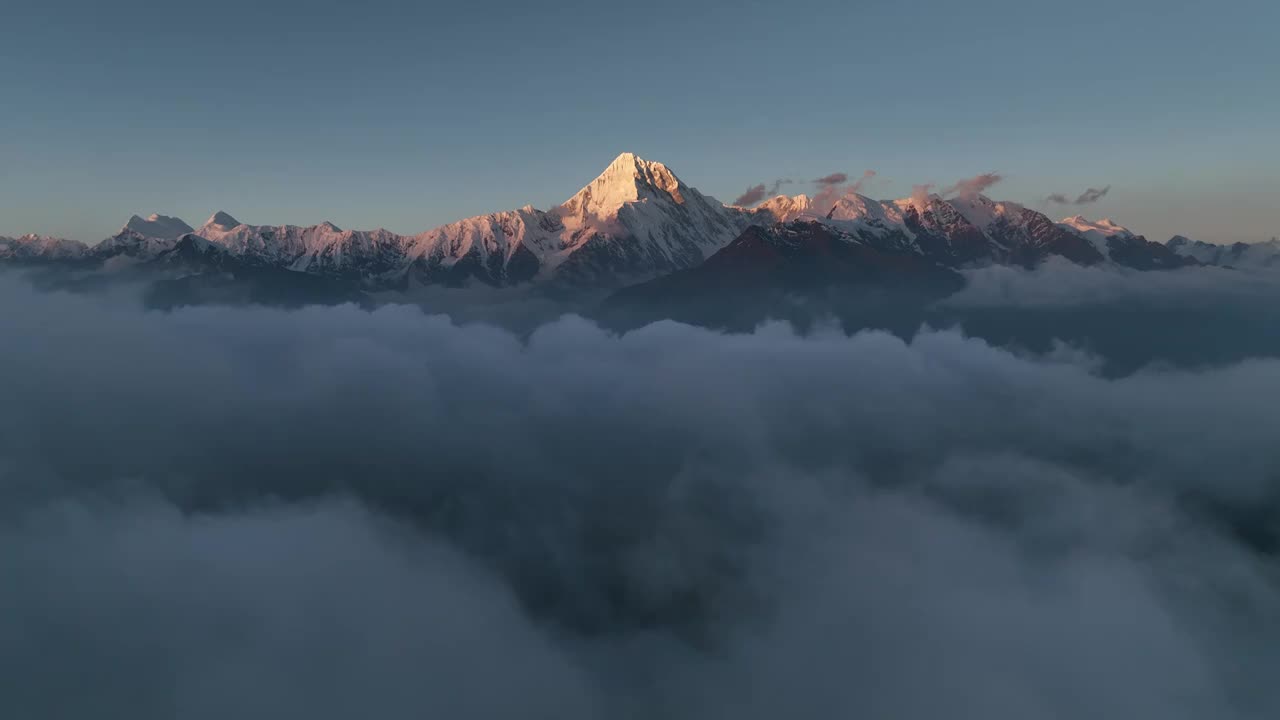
(945, 235)
(798, 257)
(1046, 239)
(849, 271)
(1026, 239)
(1140, 253)
(804, 255)
(192, 254)
(521, 267)
(797, 271)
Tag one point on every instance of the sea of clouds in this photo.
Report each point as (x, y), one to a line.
(333, 513)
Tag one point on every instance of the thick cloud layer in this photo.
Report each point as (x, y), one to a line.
(325, 513)
(1189, 318)
(1061, 283)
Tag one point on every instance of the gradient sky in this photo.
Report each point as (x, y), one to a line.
(407, 116)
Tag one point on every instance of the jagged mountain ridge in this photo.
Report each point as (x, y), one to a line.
(975, 230)
(159, 226)
(34, 248)
(800, 255)
(635, 221)
(795, 270)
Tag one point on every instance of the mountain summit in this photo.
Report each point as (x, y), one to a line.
(158, 226)
(628, 179)
(221, 221)
(634, 221)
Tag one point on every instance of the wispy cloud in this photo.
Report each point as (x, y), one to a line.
(858, 184)
(1091, 195)
(756, 193)
(832, 192)
(972, 187)
(920, 195)
(753, 195)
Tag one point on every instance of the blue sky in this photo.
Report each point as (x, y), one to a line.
(408, 116)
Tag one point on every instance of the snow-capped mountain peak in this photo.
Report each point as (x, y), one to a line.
(850, 212)
(162, 227)
(784, 208)
(1083, 223)
(853, 206)
(983, 212)
(40, 247)
(628, 179)
(1095, 232)
(222, 221)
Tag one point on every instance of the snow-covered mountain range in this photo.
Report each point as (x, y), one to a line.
(974, 230)
(634, 222)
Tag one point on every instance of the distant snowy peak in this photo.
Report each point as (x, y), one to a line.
(993, 218)
(161, 227)
(1124, 247)
(978, 211)
(220, 221)
(850, 213)
(957, 231)
(983, 212)
(1095, 231)
(33, 247)
(784, 208)
(322, 249)
(883, 215)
